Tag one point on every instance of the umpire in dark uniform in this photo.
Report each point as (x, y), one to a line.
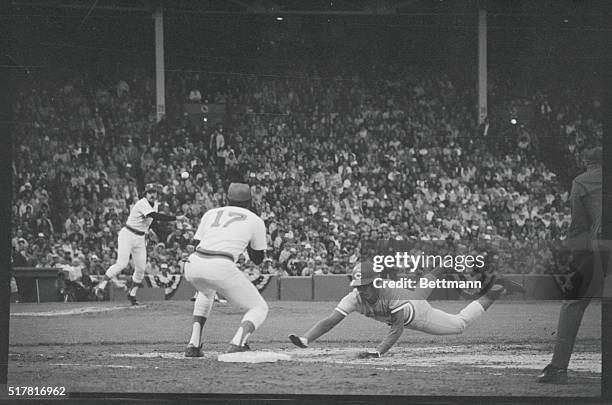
(583, 233)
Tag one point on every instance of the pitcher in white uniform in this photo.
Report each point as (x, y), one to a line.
(223, 234)
(131, 240)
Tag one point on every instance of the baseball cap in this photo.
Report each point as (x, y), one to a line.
(362, 274)
(239, 192)
(151, 187)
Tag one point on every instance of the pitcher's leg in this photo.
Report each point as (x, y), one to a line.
(124, 249)
(139, 256)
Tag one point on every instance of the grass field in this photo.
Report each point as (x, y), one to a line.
(110, 347)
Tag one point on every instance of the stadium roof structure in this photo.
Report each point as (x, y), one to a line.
(328, 7)
(306, 7)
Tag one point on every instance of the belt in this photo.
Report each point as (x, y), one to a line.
(214, 253)
(139, 233)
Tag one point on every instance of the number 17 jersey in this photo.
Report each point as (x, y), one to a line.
(230, 229)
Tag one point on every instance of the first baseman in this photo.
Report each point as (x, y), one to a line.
(131, 240)
(223, 234)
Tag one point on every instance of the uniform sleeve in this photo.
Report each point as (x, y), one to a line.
(348, 304)
(397, 303)
(396, 306)
(259, 241)
(144, 207)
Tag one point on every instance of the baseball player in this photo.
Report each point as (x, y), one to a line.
(401, 308)
(131, 241)
(222, 236)
(585, 228)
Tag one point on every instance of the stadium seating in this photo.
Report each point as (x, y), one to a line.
(395, 154)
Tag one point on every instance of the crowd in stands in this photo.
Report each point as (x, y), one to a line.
(564, 117)
(394, 153)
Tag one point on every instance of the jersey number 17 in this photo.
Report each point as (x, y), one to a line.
(233, 217)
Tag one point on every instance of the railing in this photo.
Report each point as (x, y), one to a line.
(38, 285)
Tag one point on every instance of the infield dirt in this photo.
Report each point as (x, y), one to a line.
(127, 349)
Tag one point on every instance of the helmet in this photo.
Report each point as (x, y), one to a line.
(363, 274)
(239, 192)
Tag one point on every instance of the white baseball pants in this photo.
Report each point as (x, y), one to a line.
(128, 243)
(209, 275)
(437, 322)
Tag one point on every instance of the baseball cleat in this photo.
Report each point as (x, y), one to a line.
(553, 375)
(220, 300)
(235, 348)
(510, 286)
(133, 300)
(298, 341)
(193, 351)
(496, 291)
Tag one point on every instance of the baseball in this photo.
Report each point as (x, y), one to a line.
(185, 175)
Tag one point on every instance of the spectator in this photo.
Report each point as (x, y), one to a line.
(14, 289)
(382, 163)
(195, 96)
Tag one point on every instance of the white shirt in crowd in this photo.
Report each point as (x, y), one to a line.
(195, 95)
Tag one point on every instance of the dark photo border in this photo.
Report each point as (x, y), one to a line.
(11, 68)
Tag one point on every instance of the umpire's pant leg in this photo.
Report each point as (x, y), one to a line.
(570, 318)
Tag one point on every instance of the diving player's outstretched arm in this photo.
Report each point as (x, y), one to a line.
(323, 326)
(347, 305)
(318, 329)
(397, 328)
